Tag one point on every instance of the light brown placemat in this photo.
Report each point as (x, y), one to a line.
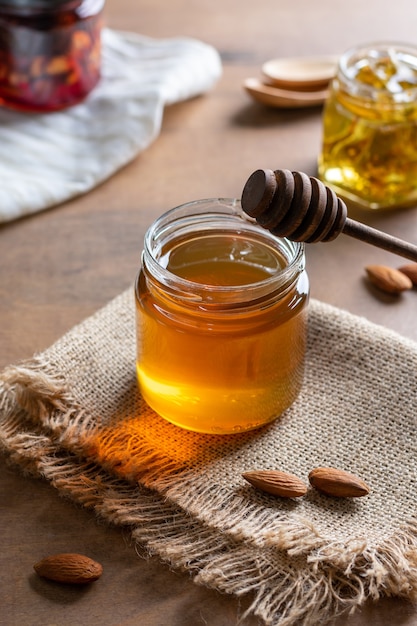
(74, 415)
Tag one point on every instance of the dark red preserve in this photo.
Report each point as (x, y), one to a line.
(49, 52)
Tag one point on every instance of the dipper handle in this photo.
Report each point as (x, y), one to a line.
(302, 208)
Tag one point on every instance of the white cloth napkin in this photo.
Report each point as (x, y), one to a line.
(46, 159)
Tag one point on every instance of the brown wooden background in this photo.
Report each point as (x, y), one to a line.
(59, 266)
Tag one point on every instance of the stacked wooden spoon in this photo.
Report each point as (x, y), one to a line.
(293, 82)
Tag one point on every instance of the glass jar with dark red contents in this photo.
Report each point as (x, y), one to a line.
(49, 52)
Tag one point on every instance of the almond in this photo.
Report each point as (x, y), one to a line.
(336, 482)
(388, 279)
(410, 270)
(69, 568)
(276, 483)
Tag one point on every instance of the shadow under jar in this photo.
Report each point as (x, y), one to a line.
(221, 310)
(50, 52)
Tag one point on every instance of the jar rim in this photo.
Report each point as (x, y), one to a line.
(346, 73)
(214, 213)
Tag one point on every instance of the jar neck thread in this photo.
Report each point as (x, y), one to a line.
(248, 244)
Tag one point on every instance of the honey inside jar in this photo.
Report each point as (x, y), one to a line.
(369, 151)
(221, 325)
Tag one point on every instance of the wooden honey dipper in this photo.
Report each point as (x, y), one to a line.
(302, 208)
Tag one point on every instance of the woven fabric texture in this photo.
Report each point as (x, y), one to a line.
(74, 416)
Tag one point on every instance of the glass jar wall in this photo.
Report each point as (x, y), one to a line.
(369, 152)
(221, 319)
(50, 52)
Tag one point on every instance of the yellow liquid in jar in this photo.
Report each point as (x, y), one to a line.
(217, 372)
(369, 152)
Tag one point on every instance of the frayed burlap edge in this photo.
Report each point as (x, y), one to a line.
(299, 579)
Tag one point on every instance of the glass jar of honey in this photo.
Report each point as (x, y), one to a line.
(369, 151)
(221, 310)
(49, 52)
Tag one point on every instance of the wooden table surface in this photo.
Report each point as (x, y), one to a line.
(59, 266)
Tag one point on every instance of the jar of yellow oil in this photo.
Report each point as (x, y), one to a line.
(369, 149)
(221, 309)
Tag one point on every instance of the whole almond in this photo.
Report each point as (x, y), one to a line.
(336, 482)
(276, 483)
(388, 279)
(75, 569)
(410, 270)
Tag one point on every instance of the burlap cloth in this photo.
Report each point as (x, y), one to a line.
(74, 416)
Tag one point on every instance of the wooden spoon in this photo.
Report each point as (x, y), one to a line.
(300, 73)
(283, 98)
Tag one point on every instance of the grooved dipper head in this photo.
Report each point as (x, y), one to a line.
(293, 205)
